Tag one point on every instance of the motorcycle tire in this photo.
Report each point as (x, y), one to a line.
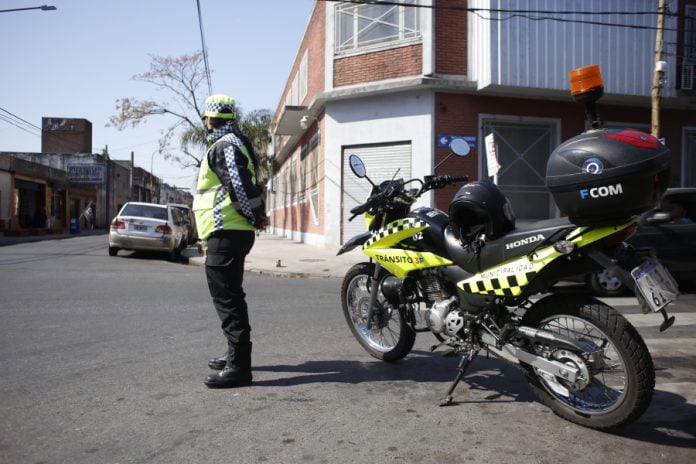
(392, 337)
(620, 373)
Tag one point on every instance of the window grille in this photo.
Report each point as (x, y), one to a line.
(373, 25)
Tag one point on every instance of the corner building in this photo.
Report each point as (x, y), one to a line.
(394, 83)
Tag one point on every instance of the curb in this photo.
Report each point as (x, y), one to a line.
(199, 262)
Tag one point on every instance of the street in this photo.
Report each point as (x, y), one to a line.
(103, 358)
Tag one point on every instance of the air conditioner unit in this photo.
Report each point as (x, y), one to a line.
(688, 76)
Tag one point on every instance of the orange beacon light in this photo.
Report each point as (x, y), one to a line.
(587, 86)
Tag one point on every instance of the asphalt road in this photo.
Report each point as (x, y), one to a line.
(102, 361)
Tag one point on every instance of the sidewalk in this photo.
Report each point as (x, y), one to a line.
(280, 256)
(14, 240)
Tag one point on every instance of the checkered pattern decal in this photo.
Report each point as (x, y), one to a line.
(394, 227)
(217, 208)
(234, 175)
(217, 107)
(510, 285)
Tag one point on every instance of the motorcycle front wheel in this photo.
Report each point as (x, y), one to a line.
(390, 338)
(617, 374)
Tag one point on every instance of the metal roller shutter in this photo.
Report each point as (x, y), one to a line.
(381, 162)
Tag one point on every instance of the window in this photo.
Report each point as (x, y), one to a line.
(370, 26)
(690, 33)
(147, 211)
(298, 89)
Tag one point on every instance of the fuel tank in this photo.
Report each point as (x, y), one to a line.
(432, 238)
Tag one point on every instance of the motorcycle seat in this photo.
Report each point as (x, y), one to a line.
(520, 241)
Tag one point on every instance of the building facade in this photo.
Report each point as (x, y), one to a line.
(394, 83)
(32, 196)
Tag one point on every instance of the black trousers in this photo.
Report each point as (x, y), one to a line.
(224, 269)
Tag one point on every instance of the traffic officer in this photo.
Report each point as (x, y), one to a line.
(229, 207)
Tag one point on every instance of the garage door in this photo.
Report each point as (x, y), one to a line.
(381, 162)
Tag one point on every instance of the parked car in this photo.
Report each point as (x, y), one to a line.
(148, 227)
(190, 219)
(671, 231)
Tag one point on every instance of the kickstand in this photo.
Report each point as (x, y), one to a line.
(461, 368)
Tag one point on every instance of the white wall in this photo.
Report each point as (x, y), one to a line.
(384, 119)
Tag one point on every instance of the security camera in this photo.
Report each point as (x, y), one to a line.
(661, 66)
(304, 122)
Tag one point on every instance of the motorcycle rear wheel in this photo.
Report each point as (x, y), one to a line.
(622, 375)
(390, 338)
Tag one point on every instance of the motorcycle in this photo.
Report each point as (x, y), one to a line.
(473, 279)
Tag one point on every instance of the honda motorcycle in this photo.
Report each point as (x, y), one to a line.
(477, 282)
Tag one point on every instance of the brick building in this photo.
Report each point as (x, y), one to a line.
(393, 83)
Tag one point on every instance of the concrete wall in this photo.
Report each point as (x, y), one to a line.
(384, 119)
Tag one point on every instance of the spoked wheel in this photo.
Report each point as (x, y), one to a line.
(617, 377)
(390, 338)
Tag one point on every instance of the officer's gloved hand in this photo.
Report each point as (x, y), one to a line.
(261, 222)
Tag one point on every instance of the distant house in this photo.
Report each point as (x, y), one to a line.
(393, 83)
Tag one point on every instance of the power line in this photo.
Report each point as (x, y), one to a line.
(204, 48)
(20, 119)
(525, 14)
(9, 121)
(498, 10)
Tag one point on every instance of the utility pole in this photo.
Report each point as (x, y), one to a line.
(132, 166)
(658, 69)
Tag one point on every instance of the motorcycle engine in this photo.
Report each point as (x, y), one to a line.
(444, 317)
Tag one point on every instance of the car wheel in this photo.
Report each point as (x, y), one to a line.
(113, 251)
(604, 283)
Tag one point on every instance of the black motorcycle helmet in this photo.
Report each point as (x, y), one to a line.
(480, 208)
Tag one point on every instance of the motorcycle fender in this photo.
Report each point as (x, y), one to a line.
(354, 242)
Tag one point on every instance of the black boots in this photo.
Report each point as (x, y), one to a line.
(236, 368)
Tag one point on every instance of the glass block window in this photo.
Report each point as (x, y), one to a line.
(368, 26)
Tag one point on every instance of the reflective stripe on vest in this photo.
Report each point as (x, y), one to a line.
(212, 206)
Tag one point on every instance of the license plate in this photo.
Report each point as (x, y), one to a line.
(655, 283)
(139, 228)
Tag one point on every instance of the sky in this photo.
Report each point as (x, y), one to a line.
(76, 61)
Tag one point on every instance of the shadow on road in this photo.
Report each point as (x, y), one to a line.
(152, 256)
(491, 375)
(669, 421)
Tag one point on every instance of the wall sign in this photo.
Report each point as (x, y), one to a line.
(443, 140)
(86, 173)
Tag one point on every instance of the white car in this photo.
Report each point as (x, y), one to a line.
(190, 220)
(148, 227)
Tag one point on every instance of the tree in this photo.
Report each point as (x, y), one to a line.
(257, 127)
(182, 78)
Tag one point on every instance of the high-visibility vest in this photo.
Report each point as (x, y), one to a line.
(212, 204)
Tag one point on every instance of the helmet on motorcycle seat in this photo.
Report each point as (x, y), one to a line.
(480, 208)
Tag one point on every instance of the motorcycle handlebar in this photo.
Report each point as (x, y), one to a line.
(430, 182)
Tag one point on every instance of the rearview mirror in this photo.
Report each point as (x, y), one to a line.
(357, 166)
(460, 147)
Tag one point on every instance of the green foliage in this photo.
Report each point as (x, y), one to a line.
(256, 126)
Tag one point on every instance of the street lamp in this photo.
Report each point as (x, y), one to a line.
(42, 8)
